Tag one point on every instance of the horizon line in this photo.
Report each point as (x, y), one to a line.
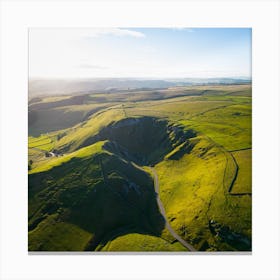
(138, 77)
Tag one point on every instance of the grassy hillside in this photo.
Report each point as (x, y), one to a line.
(88, 193)
(90, 187)
(192, 198)
(48, 114)
(84, 133)
(135, 242)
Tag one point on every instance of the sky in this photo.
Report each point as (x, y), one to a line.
(139, 52)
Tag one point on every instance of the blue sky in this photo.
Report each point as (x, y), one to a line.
(140, 52)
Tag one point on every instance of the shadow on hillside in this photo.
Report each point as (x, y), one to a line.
(124, 198)
(145, 140)
(99, 194)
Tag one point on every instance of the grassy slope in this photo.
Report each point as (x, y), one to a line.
(195, 192)
(229, 127)
(187, 190)
(173, 109)
(76, 137)
(56, 118)
(56, 161)
(43, 142)
(86, 195)
(51, 235)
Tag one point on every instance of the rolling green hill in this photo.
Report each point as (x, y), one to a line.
(90, 187)
(92, 192)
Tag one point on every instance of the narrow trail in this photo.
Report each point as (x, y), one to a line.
(162, 211)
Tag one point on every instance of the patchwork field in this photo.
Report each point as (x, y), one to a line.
(142, 170)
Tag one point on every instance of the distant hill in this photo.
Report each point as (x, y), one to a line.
(41, 87)
(55, 87)
(201, 81)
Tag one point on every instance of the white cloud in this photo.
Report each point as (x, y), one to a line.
(119, 32)
(97, 32)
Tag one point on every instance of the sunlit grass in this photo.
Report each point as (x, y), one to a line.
(135, 242)
(53, 235)
(56, 161)
(243, 183)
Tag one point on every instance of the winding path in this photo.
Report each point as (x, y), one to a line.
(162, 211)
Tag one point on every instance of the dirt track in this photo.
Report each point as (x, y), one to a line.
(162, 211)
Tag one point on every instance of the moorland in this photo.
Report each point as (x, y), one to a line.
(164, 169)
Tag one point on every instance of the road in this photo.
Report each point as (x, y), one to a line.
(162, 211)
